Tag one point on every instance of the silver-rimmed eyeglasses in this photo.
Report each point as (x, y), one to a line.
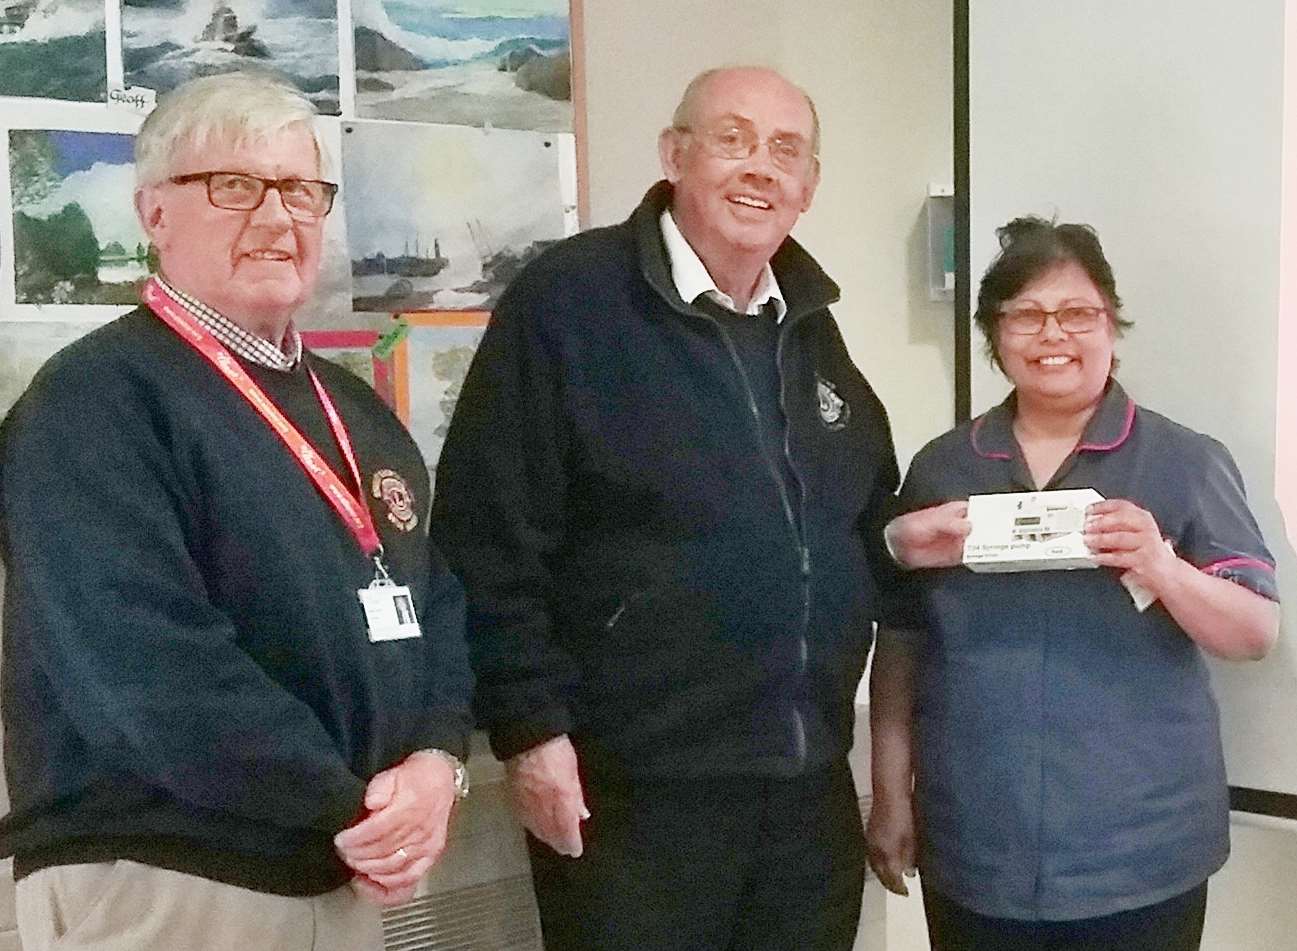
(1029, 321)
(303, 198)
(739, 140)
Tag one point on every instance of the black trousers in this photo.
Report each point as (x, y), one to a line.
(1171, 925)
(739, 864)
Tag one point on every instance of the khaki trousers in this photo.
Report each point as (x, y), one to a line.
(126, 906)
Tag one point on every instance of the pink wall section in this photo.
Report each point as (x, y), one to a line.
(1286, 391)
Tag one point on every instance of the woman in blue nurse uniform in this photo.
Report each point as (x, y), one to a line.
(1046, 753)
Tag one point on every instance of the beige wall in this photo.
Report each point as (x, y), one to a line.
(880, 72)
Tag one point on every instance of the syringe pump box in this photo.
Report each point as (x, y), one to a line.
(1029, 531)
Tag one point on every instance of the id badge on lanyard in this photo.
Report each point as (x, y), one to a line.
(387, 606)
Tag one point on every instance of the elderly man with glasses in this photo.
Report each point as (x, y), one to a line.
(235, 679)
(662, 487)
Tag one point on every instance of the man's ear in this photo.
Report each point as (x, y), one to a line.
(150, 210)
(671, 149)
(813, 182)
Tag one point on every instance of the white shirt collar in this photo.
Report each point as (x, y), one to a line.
(691, 278)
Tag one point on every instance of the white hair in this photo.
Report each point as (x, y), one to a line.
(241, 107)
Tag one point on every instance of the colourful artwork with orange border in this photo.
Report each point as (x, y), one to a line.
(430, 373)
(354, 351)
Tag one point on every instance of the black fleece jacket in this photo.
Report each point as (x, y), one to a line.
(187, 678)
(641, 572)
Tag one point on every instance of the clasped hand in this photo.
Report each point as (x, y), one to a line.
(404, 831)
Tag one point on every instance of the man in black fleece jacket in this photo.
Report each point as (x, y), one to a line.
(662, 489)
(209, 744)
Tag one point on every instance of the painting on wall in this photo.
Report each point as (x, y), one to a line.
(329, 307)
(24, 348)
(56, 49)
(443, 217)
(355, 350)
(438, 351)
(76, 237)
(506, 64)
(165, 42)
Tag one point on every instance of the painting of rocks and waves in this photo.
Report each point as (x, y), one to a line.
(53, 48)
(501, 63)
(165, 42)
(442, 217)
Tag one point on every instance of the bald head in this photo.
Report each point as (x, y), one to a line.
(686, 111)
(741, 162)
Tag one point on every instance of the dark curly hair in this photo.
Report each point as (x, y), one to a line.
(1029, 247)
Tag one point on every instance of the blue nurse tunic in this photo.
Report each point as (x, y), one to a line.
(1068, 759)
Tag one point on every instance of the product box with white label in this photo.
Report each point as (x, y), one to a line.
(1029, 531)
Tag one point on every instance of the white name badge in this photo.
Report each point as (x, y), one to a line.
(389, 611)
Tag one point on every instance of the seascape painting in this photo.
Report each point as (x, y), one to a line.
(165, 42)
(76, 237)
(439, 350)
(330, 304)
(443, 217)
(56, 49)
(490, 63)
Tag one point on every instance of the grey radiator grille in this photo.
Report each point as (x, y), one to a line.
(497, 916)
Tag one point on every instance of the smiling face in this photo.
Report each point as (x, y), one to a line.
(1053, 370)
(254, 267)
(736, 211)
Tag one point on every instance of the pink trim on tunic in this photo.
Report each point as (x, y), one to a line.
(1125, 432)
(972, 437)
(1218, 566)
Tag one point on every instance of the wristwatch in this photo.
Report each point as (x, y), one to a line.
(461, 771)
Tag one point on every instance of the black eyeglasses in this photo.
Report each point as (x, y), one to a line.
(1029, 321)
(303, 198)
(739, 140)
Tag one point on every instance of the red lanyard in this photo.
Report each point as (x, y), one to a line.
(352, 509)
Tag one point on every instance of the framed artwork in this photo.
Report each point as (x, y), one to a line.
(166, 43)
(53, 50)
(76, 239)
(443, 217)
(505, 64)
(436, 357)
(24, 348)
(330, 305)
(354, 350)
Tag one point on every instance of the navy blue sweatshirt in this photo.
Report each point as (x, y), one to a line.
(187, 678)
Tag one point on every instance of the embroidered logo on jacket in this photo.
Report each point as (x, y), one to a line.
(396, 495)
(834, 410)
